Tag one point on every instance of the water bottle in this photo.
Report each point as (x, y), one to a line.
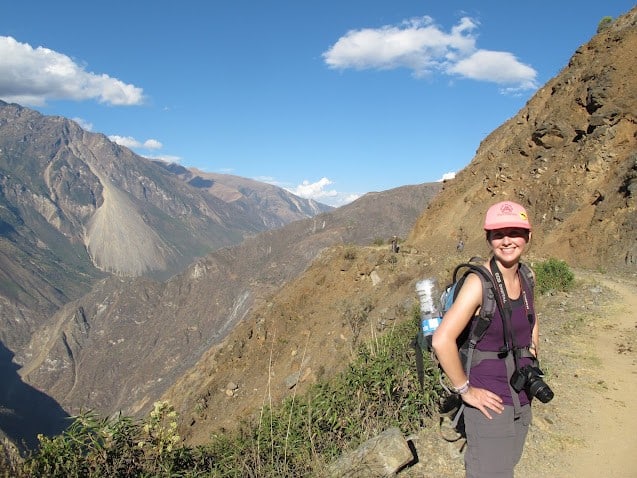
(430, 317)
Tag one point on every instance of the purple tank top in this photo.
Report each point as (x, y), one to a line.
(491, 374)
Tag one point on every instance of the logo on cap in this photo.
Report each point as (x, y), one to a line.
(506, 208)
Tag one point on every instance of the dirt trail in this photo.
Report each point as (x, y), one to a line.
(607, 417)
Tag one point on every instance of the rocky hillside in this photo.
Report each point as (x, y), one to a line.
(76, 208)
(570, 156)
(124, 343)
(253, 324)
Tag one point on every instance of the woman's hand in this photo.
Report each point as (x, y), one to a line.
(484, 400)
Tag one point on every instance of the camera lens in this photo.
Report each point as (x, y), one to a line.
(540, 390)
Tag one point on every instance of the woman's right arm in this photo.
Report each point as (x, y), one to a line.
(454, 322)
(446, 349)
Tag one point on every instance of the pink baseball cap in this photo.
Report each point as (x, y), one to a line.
(506, 214)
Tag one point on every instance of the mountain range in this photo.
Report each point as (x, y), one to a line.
(118, 272)
(198, 299)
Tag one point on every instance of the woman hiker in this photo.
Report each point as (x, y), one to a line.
(496, 417)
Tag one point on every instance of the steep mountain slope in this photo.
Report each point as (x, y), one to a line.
(75, 208)
(569, 155)
(80, 182)
(120, 346)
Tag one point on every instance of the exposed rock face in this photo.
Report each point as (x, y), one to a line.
(569, 156)
(75, 208)
(124, 343)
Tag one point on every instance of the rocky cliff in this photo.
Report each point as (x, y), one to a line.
(124, 343)
(569, 156)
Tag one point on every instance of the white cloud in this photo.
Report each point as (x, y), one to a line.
(424, 48)
(320, 192)
(348, 198)
(152, 144)
(126, 141)
(31, 76)
(447, 176)
(315, 190)
(132, 143)
(496, 66)
(85, 125)
(166, 158)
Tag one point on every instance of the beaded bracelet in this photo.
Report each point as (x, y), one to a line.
(462, 389)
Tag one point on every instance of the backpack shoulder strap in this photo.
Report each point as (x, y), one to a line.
(480, 323)
(527, 276)
(489, 305)
(528, 280)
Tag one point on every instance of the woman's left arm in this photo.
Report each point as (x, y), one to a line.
(535, 339)
(535, 333)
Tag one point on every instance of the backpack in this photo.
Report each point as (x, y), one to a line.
(473, 332)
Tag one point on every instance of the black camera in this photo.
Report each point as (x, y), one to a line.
(529, 378)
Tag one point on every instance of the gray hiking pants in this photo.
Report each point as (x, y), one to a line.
(494, 446)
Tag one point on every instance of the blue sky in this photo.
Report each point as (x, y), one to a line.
(328, 99)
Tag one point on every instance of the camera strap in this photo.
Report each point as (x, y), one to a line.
(506, 311)
(504, 304)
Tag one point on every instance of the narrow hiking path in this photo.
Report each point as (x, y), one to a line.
(588, 350)
(608, 422)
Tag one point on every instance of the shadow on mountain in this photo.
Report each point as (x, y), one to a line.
(26, 412)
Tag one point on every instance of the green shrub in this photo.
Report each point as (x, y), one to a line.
(553, 275)
(379, 390)
(604, 23)
(116, 447)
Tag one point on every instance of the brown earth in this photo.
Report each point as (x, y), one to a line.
(589, 356)
(587, 352)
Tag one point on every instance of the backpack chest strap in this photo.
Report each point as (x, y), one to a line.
(475, 356)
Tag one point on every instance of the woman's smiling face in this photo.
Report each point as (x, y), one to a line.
(508, 243)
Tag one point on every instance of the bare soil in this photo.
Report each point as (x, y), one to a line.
(588, 353)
